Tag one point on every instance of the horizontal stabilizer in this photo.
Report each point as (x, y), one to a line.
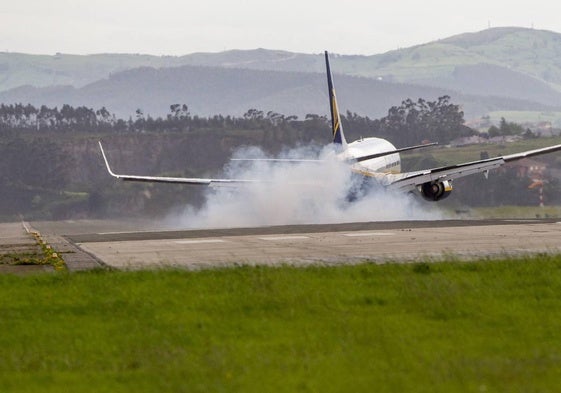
(387, 153)
(285, 160)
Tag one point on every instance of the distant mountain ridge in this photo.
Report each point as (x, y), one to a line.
(213, 90)
(500, 68)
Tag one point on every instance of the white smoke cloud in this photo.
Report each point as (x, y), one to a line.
(297, 193)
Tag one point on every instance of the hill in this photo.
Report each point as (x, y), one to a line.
(228, 91)
(19, 69)
(526, 61)
(509, 67)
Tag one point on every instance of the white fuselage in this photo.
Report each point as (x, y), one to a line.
(363, 147)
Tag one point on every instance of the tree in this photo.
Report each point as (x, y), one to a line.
(505, 128)
(412, 122)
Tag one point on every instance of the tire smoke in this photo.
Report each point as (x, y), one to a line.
(297, 193)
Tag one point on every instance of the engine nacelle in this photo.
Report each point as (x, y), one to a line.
(435, 191)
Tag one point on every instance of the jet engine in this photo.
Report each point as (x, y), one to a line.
(436, 190)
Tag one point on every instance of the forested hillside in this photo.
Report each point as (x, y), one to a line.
(51, 167)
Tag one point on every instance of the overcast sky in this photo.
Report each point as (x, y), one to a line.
(176, 27)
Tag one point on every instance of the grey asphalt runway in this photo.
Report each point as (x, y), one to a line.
(134, 245)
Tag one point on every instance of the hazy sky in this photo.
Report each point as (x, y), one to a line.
(175, 27)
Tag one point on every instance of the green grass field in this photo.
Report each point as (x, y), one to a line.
(452, 154)
(444, 327)
(445, 155)
(523, 212)
(527, 116)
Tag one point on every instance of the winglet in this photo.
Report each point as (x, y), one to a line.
(336, 127)
(107, 162)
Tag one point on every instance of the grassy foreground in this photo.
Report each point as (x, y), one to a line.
(446, 327)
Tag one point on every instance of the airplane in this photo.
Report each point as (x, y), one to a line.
(375, 160)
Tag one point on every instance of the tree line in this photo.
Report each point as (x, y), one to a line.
(409, 123)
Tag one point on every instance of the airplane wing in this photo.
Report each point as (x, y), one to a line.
(177, 180)
(410, 180)
(407, 181)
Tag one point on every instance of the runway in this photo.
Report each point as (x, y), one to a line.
(121, 245)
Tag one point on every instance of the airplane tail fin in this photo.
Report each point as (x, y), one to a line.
(336, 126)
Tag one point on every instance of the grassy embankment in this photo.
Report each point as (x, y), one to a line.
(521, 212)
(445, 155)
(522, 117)
(444, 327)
